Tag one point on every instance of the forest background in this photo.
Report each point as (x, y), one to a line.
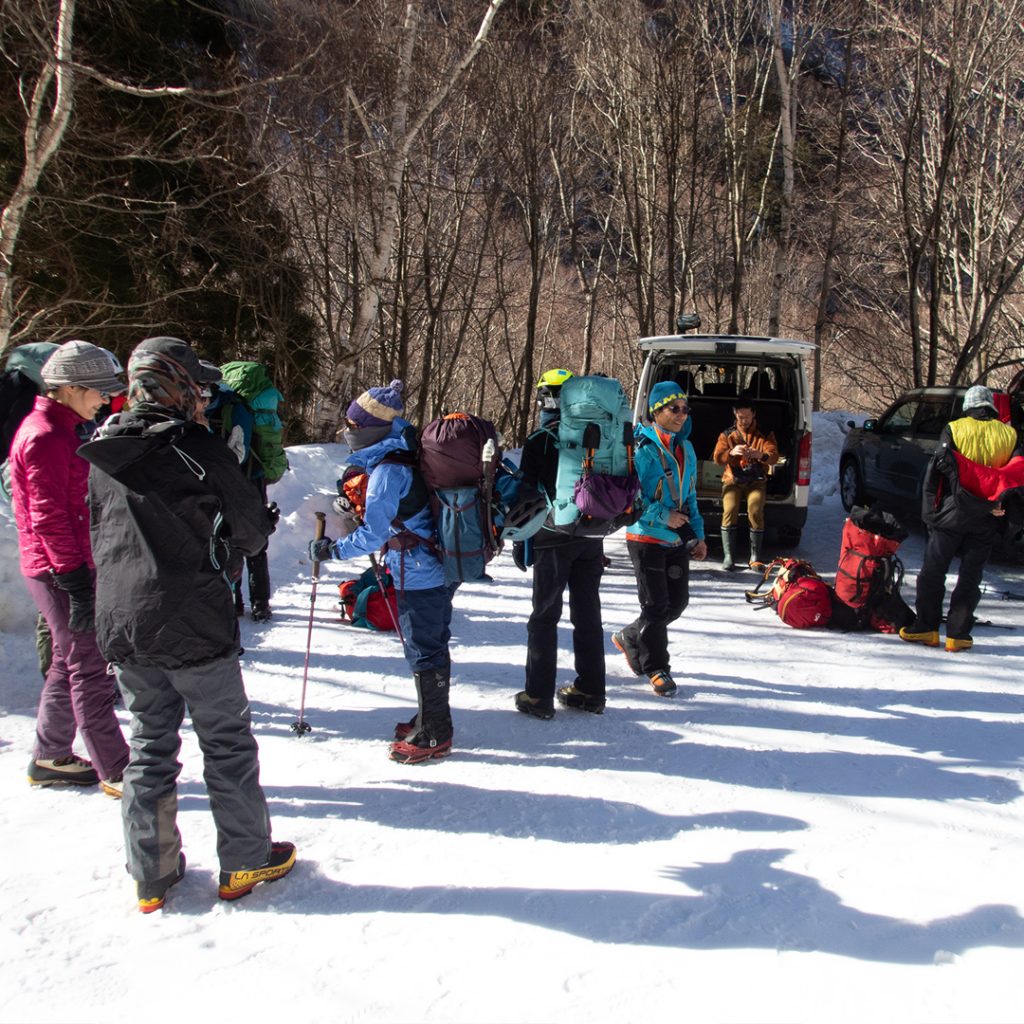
(463, 193)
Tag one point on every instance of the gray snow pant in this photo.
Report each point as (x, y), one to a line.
(219, 707)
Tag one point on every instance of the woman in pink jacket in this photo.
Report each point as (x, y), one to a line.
(49, 492)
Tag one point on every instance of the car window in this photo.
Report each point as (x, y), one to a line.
(899, 420)
(931, 417)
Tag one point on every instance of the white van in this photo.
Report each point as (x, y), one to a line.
(715, 369)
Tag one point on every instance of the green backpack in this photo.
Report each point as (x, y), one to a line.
(252, 383)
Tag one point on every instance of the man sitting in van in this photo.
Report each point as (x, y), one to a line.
(746, 454)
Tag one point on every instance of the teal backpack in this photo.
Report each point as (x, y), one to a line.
(596, 484)
(252, 383)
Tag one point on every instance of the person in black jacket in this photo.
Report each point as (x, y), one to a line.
(964, 518)
(172, 516)
(560, 560)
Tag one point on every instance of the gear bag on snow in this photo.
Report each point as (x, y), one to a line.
(365, 606)
(870, 574)
(596, 483)
(800, 597)
(457, 458)
(252, 384)
(20, 383)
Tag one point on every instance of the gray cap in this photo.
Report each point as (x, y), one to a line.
(182, 352)
(978, 397)
(82, 364)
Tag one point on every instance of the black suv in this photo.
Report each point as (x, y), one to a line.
(887, 457)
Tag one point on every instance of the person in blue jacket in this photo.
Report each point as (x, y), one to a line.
(669, 532)
(397, 514)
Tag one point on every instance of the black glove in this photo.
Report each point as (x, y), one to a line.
(522, 554)
(321, 550)
(81, 591)
(274, 514)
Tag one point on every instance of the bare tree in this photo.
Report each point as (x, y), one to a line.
(47, 105)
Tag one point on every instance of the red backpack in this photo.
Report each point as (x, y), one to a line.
(363, 604)
(800, 597)
(869, 574)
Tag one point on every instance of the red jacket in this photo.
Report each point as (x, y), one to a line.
(49, 490)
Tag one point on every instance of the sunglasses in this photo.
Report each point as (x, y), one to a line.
(676, 410)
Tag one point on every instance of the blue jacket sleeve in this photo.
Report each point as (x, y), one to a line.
(690, 482)
(651, 473)
(384, 491)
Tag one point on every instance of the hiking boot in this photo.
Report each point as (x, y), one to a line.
(236, 884)
(958, 643)
(419, 748)
(930, 637)
(630, 652)
(403, 729)
(534, 706)
(151, 895)
(261, 612)
(113, 787)
(61, 771)
(663, 683)
(570, 697)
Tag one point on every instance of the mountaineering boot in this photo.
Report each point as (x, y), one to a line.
(235, 884)
(402, 729)
(757, 550)
(958, 643)
(61, 771)
(728, 543)
(663, 683)
(570, 697)
(113, 787)
(929, 637)
(629, 650)
(419, 747)
(429, 734)
(261, 612)
(151, 895)
(534, 706)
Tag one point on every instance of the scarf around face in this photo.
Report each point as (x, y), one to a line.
(157, 383)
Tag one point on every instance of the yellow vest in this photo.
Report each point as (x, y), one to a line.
(987, 442)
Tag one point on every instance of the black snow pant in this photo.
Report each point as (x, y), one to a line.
(663, 588)
(943, 546)
(219, 707)
(577, 563)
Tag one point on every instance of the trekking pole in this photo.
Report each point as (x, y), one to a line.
(301, 727)
(379, 577)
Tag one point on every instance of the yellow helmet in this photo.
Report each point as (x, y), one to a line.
(553, 378)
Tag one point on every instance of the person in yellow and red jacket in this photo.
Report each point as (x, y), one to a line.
(669, 532)
(974, 472)
(746, 454)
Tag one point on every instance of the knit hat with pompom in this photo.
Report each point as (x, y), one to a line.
(377, 407)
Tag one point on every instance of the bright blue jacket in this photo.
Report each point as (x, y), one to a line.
(664, 486)
(417, 568)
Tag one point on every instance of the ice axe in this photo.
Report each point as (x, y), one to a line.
(301, 727)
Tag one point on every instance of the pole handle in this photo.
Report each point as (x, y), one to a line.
(321, 528)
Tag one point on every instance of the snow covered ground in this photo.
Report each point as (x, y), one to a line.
(820, 827)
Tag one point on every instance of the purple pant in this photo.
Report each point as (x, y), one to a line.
(78, 693)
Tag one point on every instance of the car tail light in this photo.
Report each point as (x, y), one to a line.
(803, 464)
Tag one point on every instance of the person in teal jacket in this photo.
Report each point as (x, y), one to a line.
(669, 532)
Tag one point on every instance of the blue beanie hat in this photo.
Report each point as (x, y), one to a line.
(664, 392)
(377, 407)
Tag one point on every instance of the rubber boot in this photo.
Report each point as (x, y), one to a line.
(728, 543)
(757, 550)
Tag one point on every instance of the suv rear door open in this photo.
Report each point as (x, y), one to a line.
(715, 370)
